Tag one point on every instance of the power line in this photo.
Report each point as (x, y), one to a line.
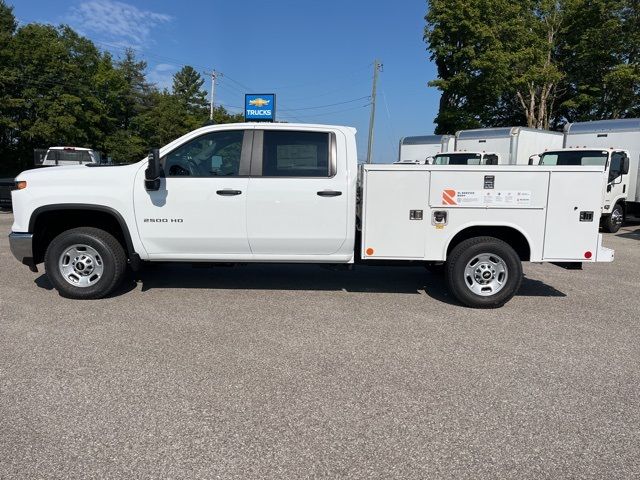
(326, 105)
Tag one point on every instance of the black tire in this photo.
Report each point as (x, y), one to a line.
(615, 220)
(469, 250)
(112, 256)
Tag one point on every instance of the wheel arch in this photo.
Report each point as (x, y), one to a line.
(510, 234)
(49, 220)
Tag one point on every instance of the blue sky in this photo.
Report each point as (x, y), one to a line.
(316, 56)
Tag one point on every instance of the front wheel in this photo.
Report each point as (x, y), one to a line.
(483, 272)
(85, 263)
(613, 222)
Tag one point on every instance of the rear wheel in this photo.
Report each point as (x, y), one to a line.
(483, 272)
(85, 263)
(613, 222)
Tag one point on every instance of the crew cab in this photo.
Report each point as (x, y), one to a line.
(258, 192)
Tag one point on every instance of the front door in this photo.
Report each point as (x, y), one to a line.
(617, 185)
(200, 209)
(298, 199)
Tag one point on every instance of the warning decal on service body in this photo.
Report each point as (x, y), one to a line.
(498, 198)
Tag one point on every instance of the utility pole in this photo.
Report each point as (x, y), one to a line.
(377, 67)
(214, 75)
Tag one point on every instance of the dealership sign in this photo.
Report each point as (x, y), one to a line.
(260, 107)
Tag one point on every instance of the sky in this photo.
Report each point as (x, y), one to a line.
(316, 56)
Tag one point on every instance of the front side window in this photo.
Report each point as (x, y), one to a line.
(215, 154)
(295, 154)
(574, 158)
(458, 159)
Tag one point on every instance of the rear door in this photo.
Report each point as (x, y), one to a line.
(298, 198)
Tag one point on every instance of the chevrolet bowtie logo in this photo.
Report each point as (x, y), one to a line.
(259, 102)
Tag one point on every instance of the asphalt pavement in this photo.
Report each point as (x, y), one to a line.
(302, 372)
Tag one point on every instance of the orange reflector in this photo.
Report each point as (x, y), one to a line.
(587, 255)
(369, 251)
(21, 185)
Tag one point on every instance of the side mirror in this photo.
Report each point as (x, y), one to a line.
(152, 173)
(624, 165)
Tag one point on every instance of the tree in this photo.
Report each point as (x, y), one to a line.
(599, 50)
(57, 88)
(495, 61)
(187, 87)
(534, 62)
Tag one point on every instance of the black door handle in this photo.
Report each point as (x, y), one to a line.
(228, 192)
(329, 193)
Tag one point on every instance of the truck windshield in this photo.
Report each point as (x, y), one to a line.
(577, 157)
(457, 159)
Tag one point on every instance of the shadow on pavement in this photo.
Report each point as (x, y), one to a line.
(363, 279)
(635, 235)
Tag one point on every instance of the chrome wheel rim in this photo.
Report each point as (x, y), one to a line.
(486, 274)
(81, 265)
(616, 216)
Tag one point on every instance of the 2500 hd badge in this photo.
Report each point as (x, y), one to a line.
(163, 220)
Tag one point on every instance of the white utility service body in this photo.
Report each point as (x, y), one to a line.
(515, 145)
(294, 193)
(418, 149)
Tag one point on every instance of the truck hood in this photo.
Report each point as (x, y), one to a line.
(77, 175)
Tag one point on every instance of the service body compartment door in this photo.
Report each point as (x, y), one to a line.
(391, 199)
(573, 215)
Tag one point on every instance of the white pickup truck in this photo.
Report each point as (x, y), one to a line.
(294, 193)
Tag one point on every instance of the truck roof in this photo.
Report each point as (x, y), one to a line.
(71, 148)
(422, 139)
(497, 132)
(598, 126)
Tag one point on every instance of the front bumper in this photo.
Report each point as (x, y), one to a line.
(21, 245)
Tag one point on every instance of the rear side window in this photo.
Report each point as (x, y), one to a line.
(295, 154)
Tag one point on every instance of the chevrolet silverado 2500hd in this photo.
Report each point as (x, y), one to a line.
(294, 193)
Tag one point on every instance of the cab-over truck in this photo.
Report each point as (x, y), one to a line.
(260, 192)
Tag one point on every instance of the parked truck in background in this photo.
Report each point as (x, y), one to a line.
(514, 145)
(294, 193)
(71, 156)
(616, 165)
(420, 148)
(621, 134)
(465, 158)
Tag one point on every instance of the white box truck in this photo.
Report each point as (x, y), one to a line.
(420, 148)
(512, 145)
(622, 134)
(616, 165)
(289, 193)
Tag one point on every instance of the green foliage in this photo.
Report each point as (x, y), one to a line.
(533, 62)
(57, 88)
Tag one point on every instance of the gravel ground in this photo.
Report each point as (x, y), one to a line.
(301, 372)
